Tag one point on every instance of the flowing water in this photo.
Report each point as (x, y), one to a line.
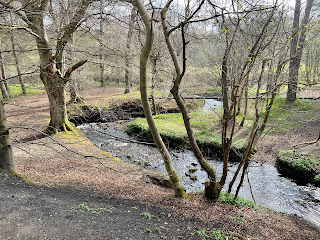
(268, 188)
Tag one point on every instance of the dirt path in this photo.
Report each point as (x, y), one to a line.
(69, 170)
(37, 212)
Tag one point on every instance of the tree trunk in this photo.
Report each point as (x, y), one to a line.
(212, 188)
(3, 89)
(296, 49)
(74, 96)
(3, 75)
(128, 50)
(274, 92)
(102, 80)
(245, 102)
(6, 154)
(23, 88)
(174, 178)
(153, 82)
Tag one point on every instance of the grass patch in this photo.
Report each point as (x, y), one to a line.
(300, 166)
(172, 130)
(15, 89)
(283, 117)
(227, 198)
(83, 207)
(207, 233)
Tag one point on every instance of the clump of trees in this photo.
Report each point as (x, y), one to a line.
(240, 45)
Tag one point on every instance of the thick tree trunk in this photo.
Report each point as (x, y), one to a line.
(16, 59)
(174, 178)
(296, 49)
(6, 154)
(128, 50)
(294, 62)
(55, 87)
(58, 111)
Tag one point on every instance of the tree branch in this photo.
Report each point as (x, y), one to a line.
(72, 68)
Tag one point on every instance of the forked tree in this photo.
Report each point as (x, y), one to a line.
(34, 15)
(144, 57)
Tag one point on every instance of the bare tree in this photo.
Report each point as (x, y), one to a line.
(174, 178)
(16, 59)
(212, 190)
(34, 14)
(299, 33)
(3, 84)
(128, 50)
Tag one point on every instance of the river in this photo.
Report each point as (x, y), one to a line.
(268, 188)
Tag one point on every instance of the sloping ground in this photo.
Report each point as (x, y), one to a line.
(69, 170)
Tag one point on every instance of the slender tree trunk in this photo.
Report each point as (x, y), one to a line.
(6, 154)
(273, 96)
(212, 188)
(174, 178)
(74, 96)
(253, 134)
(296, 49)
(3, 74)
(102, 80)
(128, 50)
(16, 59)
(153, 82)
(245, 102)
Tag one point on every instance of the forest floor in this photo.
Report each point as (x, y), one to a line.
(80, 192)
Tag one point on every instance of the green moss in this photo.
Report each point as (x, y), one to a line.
(299, 165)
(299, 161)
(22, 177)
(107, 154)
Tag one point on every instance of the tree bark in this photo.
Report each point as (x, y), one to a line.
(5, 90)
(6, 154)
(296, 49)
(212, 188)
(145, 53)
(128, 50)
(23, 88)
(102, 80)
(51, 65)
(154, 61)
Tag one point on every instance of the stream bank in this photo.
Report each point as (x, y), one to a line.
(263, 183)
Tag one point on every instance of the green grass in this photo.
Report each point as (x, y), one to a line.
(210, 234)
(199, 120)
(227, 198)
(171, 129)
(83, 207)
(283, 117)
(15, 89)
